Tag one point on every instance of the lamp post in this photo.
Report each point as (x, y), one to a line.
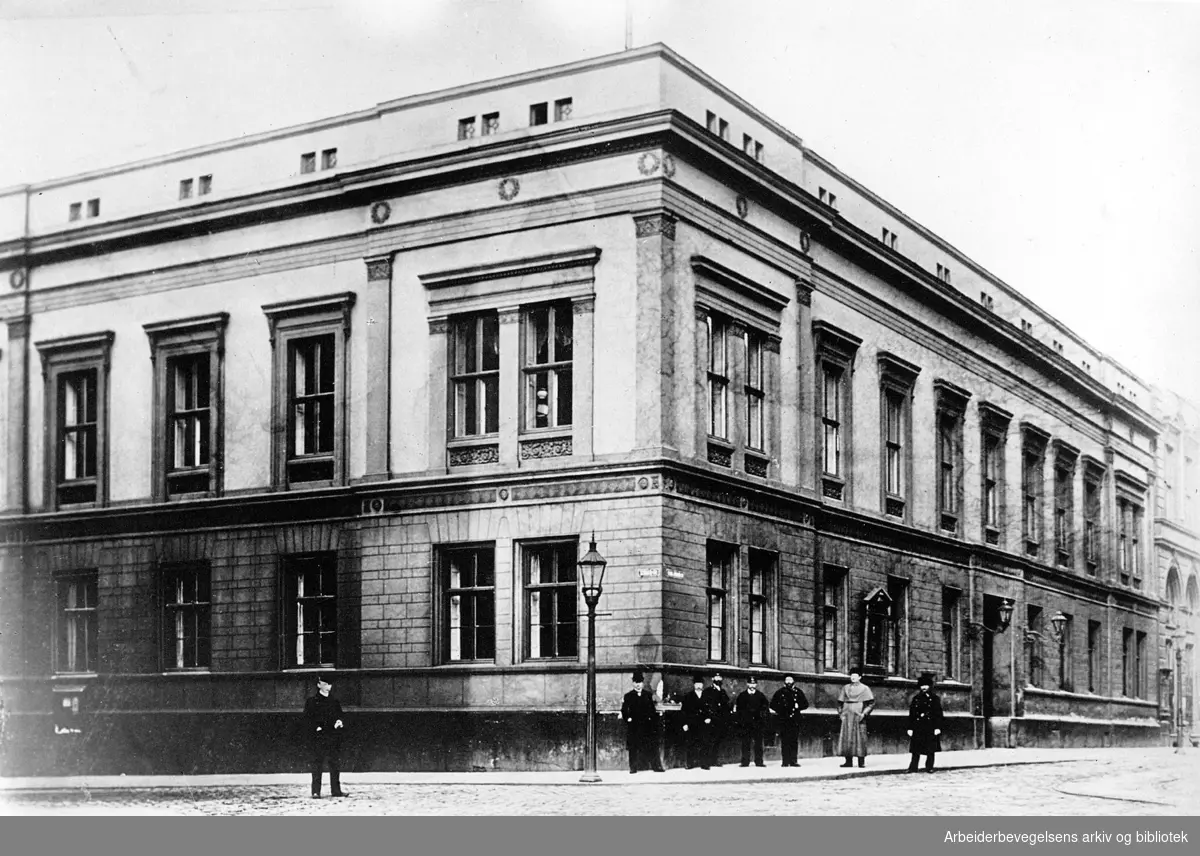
(1179, 741)
(591, 573)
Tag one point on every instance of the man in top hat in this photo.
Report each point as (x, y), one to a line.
(924, 724)
(750, 709)
(323, 724)
(697, 724)
(721, 709)
(641, 726)
(786, 704)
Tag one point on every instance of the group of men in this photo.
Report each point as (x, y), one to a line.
(708, 712)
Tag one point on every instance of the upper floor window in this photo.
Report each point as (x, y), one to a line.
(475, 375)
(188, 357)
(943, 273)
(76, 370)
(1093, 477)
(75, 640)
(549, 352)
(951, 407)
(896, 379)
(466, 128)
(329, 159)
(835, 351)
(310, 610)
(563, 108)
(308, 162)
(718, 376)
(1129, 514)
(74, 211)
(831, 417)
(1032, 486)
(539, 114)
(185, 189)
(309, 339)
(722, 569)
(551, 599)
(1064, 504)
(993, 422)
(491, 124)
(468, 602)
(187, 605)
(987, 300)
(93, 208)
(1027, 327)
(755, 390)
(205, 185)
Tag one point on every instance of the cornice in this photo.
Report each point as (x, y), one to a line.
(898, 368)
(585, 257)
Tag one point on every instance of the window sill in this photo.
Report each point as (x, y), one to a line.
(72, 676)
(991, 535)
(306, 485)
(832, 487)
(201, 672)
(300, 670)
(893, 506)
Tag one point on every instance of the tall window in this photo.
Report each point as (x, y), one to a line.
(833, 604)
(186, 622)
(718, 377)
(1091, 521)
(309, 338)
(894, 443)
(475, 375)
(1033, 457)
(1140, 684)
(1128, 682)
(1066, 670)
(189, 413)
(951, 598)
(762, 585)
(76, 372)
(831, 416)
(994, 423)
(898, 626)
(1034, 646)
(1093, 656)
(992, 473)
(1064, 506)
(721, 562)
(896, 379)
(951, 407)
(310, 610)
(549, 350)
(1129, 542)
(76, 638)
(469, 603)
(551, 599)
(755, 391)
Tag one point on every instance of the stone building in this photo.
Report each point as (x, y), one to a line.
(352, 397)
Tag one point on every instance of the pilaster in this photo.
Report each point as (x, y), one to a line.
(377, 309)
(655, 330)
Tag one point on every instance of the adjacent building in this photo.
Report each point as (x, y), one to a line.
(353, 397)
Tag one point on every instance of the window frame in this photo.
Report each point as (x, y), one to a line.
(526, 549)
(174, 611)
(1035, 662)
(897, 384)
(993, 447)
(1065, 459)
(1033, 488)
(199, 336)
(1094, 640)
(755, 344)
(292, 614)
(950, 419)
(835, 351)
(554, 367)
(1093, 516)
(723, 557)
(898, 589)
(61, 358)
(65, 621)
(951, 631)
(475, 375)
(445, 626)
(1066, 650)
(763, 569)
(835, 592)
(291, 322)
(717, 366)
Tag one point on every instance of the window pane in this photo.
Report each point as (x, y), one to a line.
(563, 390)
(490, 342)
(539, 335)
(564, 343)
(491, 404)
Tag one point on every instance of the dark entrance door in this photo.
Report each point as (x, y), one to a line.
(991, 615)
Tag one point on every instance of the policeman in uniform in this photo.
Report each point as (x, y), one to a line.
(697, 724)
(786, 704)
(924, 724)
(721, 710)
(641, 726)
(750, 709)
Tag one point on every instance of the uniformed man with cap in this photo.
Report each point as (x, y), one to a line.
(750, 712)
(924, 724)
(786, 704)
(697, 724)
(324, 725)
(721, 710)
(641, 726)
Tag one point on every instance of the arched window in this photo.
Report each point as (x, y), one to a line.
(1173, 594)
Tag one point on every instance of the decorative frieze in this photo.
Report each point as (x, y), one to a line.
(756, 466)
(556, 447)
(379, 268)
(658, 223)
(720, 455)
(466, 456)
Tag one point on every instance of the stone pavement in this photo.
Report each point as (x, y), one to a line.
(810, 769)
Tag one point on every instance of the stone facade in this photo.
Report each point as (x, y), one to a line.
(422, 384)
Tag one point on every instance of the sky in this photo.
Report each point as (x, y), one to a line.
(1056, 143)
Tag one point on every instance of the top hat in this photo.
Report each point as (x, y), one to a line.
(926, 680)
(638, 677)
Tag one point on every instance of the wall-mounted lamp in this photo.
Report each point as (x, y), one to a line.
(975, 629)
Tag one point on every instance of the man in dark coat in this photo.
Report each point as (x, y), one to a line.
(786, 704)
(924, 724)
(697, 725)
(641, 726)
(721, 710)
(323, 724)
(750, 711)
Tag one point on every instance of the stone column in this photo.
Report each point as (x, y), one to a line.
(377, 307)
(803, 470)
(17, 464)
(510, 383)
(439, 355)
(655, 330)
(583, 412)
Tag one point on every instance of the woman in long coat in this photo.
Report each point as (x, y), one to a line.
(854, 706)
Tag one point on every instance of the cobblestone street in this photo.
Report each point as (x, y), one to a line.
(1162, 784)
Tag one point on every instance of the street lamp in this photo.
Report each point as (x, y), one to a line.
(591, 573)
(1003, 619)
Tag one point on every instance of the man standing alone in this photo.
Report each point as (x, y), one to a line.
(750, 709)
(323, 724)
(786, 704)
(641, 726)
(924, 724)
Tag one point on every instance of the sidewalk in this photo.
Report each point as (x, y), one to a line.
(810, 769)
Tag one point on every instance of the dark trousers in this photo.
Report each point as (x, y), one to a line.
(752, 735)
(642, 744)
(789, 740)
(699, 747)
(327, 749)
(916, 758)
